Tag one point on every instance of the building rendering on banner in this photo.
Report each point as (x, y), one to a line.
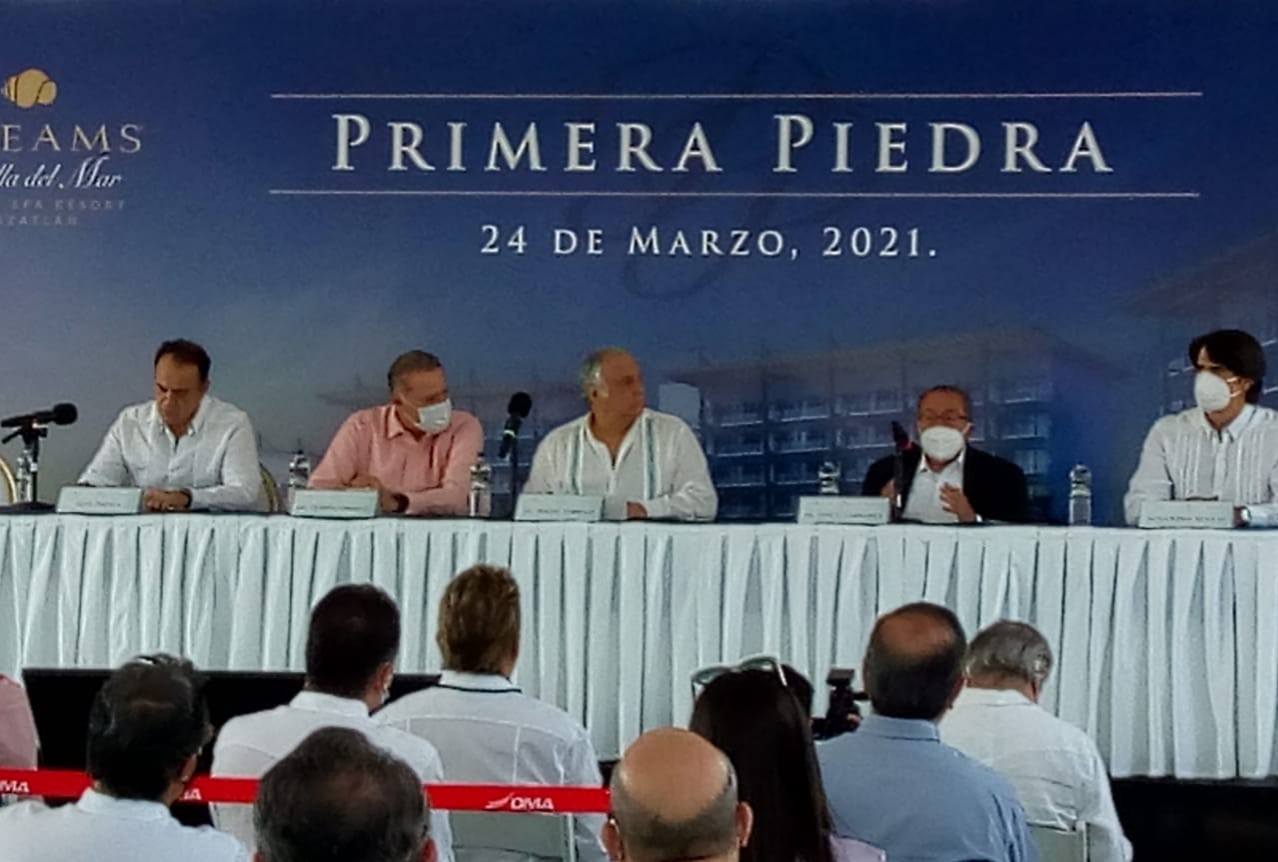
(1233, 290)
(769, 424)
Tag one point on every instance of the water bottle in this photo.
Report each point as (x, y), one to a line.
(479, 502)
(828, 478)
(1080, 496)
(26, 478)
(299, 470)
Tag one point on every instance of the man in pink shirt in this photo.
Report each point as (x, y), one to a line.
(416, 451)
(17, 727)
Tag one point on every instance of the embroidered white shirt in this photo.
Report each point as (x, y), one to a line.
(216, 460)
(1185, 457)
(660, 464)
(1054, 767)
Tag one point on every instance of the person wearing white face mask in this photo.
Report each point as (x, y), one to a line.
(1226, 447)
(416, 451)
(946, 480)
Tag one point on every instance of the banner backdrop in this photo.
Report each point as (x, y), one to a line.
(796, 214)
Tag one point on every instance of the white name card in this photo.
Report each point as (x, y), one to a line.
(82, 500)
(352, 503)
(1187, 514)
(832, 509)
(559, 507)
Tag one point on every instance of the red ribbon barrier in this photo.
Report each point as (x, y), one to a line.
(67, 784)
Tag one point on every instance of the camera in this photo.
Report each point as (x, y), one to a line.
(842, 715)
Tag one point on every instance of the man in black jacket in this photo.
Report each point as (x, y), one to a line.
(947, 481)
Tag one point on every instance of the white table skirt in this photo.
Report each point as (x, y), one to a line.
(1166, 643)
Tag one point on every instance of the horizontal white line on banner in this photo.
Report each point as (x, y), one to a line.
(530, 193)
(656, 97)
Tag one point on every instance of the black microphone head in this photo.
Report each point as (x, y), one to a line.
(64, 414)
(520, 404)
(899, 437)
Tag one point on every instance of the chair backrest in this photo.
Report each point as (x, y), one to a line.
(8, 483)
(1060, 845)
(274, 503)
(547, 836)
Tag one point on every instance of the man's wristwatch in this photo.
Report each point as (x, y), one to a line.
(401, 504)
(189, 499)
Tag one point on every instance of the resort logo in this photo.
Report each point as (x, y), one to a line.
(30, 88)
(56, 172)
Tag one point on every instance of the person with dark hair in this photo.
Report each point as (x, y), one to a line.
(674, 797)
(946, 480)
(147, 726)
(1225, 447)
(893, 783)
(339, 797)
(754, 718)
(350, 659)
(416, 451)
(186, 449)
(486, 729)
(1055, 768)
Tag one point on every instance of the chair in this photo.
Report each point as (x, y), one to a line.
(548, 836)
(274, 503)
(8, 481)
(1061, 845)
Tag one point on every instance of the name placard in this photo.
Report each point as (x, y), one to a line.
(832, 509)
(559, 507)
(1187, 515)
(351, 503)
(83, 500)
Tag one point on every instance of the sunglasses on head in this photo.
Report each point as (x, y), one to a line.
(704, 676)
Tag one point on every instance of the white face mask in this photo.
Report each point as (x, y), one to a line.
(942, 443)
(436, 417)
(1212, 393)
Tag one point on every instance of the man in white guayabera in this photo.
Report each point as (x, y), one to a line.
(1226, 447)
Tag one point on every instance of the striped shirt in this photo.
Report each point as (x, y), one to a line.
(1184, 457)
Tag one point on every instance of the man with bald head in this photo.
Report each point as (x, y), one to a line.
(893, 783)
(674, 796)
(645, 464)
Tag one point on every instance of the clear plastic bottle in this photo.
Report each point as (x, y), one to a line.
(1080, 496)
(480, 498)
(299, 470)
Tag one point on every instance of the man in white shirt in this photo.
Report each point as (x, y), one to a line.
(339, 796)
(645, 464)
(350, 654)
(147, 725)
(487, 731)
(187, 449)
(1054, 767)
(1225, 448)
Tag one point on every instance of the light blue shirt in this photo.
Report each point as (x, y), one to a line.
(895, 785)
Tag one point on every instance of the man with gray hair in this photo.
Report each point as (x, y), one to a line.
(645, 464)
(674, 796)
(1054, 767)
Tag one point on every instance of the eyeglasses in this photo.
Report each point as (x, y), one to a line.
(704, 676)
(950, 417)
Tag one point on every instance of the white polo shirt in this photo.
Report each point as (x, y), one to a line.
(924, 501)
(249, 745)
(103, 828)
(1054, 767)
(489, 732)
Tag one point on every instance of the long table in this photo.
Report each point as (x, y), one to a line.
(1166, 643)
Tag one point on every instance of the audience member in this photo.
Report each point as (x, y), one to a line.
(338, 796)
(350, 654)
(146, 728)
(1054, 767)
(17, 727)
(753, 717)
(893, 783)
(674, 797)
(486, 729)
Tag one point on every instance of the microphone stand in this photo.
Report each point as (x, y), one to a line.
(514, 473)
(898, 483)
(29, 469)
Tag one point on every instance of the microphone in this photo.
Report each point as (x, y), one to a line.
(59, 414)
(517, 411)
(900, 439)
(900, 445)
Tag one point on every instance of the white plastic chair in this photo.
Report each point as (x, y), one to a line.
(1061, 845)
(547, 836)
